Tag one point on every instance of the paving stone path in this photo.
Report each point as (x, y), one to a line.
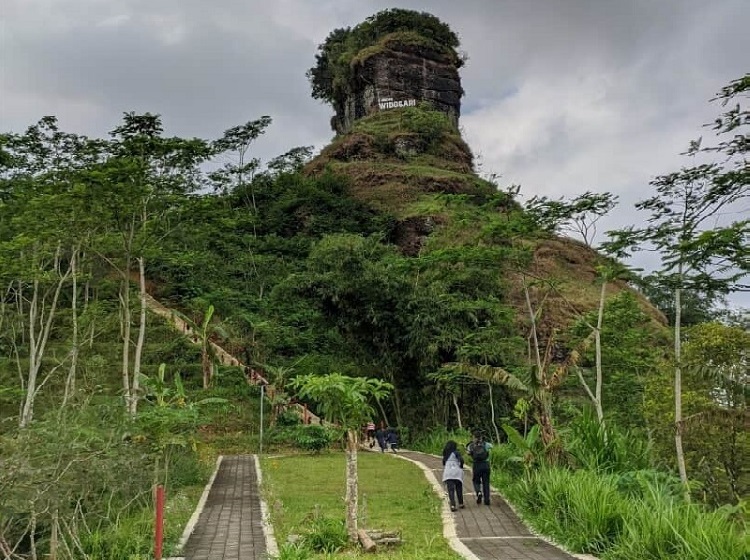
(489, 532)
(230, 527)
(231, 524)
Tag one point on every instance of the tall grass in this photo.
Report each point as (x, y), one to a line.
(606, 449)
(659, 528)
(581, 510)
(624, 516)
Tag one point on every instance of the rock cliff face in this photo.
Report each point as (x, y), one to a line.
(398, 75)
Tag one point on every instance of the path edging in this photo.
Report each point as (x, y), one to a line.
(446, 513)
(272, 548)
(449, 525)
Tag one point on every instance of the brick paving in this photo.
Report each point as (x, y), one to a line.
(491, 532)
(230, 526)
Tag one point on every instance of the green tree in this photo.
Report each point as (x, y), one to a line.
(345, 401)
(579, 215)
(42, 234)
(717, 357)
(134, 189)
(237, 174)
(331, 74)
(696, 253)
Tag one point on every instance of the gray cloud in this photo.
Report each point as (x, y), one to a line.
(561, 97)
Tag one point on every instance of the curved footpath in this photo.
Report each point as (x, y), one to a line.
(231, 521)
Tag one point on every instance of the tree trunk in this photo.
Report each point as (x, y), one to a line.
(136, 381)
(543, 395)
(352, 489)
(125, 332)
(70, 382)
(492, 412)
(205, 365)
(678, 390)
(40, 327)
(382, 411)
(598, 345)
(458, 412)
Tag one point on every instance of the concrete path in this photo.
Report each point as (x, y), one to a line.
(480, 532)
(231, 523)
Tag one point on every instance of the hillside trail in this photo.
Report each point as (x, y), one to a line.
(231, 521)
(253, 375)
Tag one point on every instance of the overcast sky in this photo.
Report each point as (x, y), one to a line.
(562, 96)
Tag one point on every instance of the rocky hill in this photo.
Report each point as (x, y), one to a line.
(397, 108)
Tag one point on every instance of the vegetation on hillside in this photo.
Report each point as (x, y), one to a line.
(383, 258)
(331, 77)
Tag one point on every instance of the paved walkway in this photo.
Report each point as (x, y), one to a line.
(486, 532)
(231, 524)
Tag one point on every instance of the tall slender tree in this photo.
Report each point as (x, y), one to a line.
(698, 251)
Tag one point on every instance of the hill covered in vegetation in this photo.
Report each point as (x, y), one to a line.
(385, 256)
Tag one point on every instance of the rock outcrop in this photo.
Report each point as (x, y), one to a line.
(397, 73)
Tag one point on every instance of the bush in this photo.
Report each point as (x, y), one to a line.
(430, 124)
(313, 438)
(325, 534)
(608, 450)
(293, 551)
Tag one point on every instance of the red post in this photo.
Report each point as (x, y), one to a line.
(159, 527)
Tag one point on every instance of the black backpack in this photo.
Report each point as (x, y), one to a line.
(479, 452)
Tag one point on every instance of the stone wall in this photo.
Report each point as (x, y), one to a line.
(400, 75)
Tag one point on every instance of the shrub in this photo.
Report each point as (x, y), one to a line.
(609, 449)
(293, 551)
(430, 124)
(325, 534)
(313, 438)
(434, 440)
(288, 417)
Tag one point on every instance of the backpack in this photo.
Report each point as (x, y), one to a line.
(479, 452)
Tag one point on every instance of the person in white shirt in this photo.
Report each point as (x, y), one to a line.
(453, 474)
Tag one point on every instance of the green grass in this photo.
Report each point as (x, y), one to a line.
(394, 495)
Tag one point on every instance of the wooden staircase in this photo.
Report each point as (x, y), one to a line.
(253, 375)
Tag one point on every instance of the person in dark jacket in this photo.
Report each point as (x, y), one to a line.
(392, 439)
(381, 435)
(453, 474)
(479, 451)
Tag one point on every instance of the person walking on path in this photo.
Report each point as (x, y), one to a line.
(453, 474)
(381, 436)
(479, 451)
(370, 433)
(392, 439)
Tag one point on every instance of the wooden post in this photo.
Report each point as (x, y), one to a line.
(159, 525)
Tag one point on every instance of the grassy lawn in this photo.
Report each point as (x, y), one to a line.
(394, 495)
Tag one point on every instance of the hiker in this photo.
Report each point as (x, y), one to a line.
(453, 474)
(381, 436)
(479, 451)
(392, 439)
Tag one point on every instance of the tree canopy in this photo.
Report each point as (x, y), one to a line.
(331, 74)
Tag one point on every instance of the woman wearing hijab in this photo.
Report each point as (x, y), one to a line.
(453, 474)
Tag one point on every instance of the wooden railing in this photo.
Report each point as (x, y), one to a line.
(253, 375)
